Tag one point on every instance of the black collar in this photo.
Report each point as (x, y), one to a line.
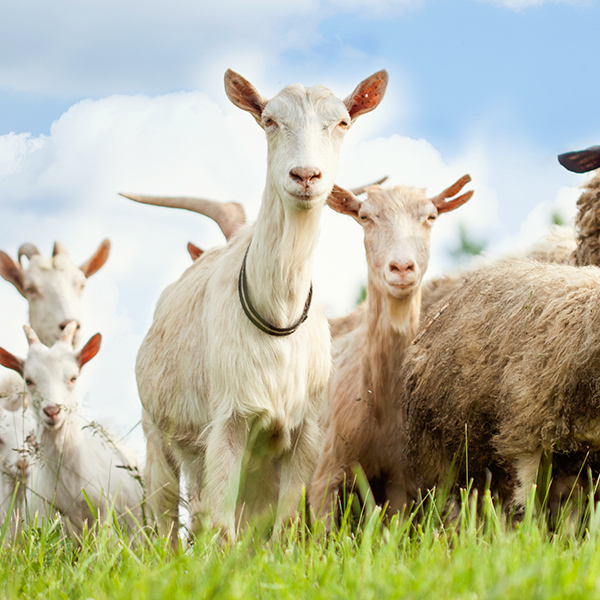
(255, 318)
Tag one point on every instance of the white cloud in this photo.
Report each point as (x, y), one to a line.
(64, 186)
(523, 4)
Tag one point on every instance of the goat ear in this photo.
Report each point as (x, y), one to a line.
(89, 350)
(581, 161)
(194, 251)
(243, 94)
(12, 272)
(96, 262)
(10, 361)
(441, 201)
(367, 95)
(343, 201)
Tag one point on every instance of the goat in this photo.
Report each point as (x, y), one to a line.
(509, 369)
(17, 424)
(73, 458)
(221, 373)
(363, 425)
(52, 286)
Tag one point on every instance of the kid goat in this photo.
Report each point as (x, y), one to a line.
(73, 456)
(233, 370)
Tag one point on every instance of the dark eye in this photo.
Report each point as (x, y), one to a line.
(29, 381)
(270, 123)
(344, 124)
(364, 218)
(432, 218)
(73, 379)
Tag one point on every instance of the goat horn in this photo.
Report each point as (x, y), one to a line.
(59, 248)
(362, 189)
(69, 332)
(229, 216)
(28, 250)
(32, 337)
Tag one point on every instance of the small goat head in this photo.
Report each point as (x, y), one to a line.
(52, 286)
(50, 373)
(397, 225)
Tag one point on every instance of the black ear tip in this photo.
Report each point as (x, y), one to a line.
(581, 161)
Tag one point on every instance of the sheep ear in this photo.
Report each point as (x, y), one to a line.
(343, 201)
(31, 335)
(442, 201)
(243, 94)
(89, 350)
(96, 262)
(10, 361)
(367, 95)
(194, 251)
(12, 272)
(581, 161)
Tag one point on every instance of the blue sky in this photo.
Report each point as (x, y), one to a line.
(98, 97)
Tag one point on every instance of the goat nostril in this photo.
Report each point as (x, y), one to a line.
(52, 411)
(402, 268)
(305, 175)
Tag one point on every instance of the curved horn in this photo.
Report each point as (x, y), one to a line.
(69, 332)
(27, 250)
(440, 200)
(229, 216)
(362, 189)
(59, 248)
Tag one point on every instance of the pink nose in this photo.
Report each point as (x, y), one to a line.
(305, 176)
(52, 410)
(402, 268)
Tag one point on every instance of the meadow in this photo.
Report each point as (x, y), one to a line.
(478, 555)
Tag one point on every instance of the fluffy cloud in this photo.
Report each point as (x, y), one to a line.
(64, 186)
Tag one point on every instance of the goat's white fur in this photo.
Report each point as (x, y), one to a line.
(216, 389)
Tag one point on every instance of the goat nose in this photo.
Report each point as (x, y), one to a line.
(305, 175)
(65, 323)
(402, 268)
(52, 410)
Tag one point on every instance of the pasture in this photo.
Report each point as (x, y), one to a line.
(479, 556)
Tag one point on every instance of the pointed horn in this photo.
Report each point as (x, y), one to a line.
(68, 333)
(27, 250)
(59, 248)
(361, 190)
(445, 206)
(32, 337)
(229, 216)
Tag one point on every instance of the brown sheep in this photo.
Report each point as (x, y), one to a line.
(510, 368)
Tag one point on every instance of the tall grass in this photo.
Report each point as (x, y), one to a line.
(478, 555)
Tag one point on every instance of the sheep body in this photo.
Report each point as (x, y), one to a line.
(509, 369)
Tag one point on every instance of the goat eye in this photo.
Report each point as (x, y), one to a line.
(432, 218)
(364, 218)
(29, 381)
(344, 124)
(270, 123)
(73, 379)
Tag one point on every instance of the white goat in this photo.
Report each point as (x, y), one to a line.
(17, 424)
(52, 286)
(364, 425)
(228, 395)
(72, 456)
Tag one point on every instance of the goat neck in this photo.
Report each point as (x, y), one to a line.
(391, 325)
(279, 259)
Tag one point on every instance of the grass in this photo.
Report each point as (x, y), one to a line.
(478, 556)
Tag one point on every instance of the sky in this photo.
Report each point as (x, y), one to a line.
(98, 97)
